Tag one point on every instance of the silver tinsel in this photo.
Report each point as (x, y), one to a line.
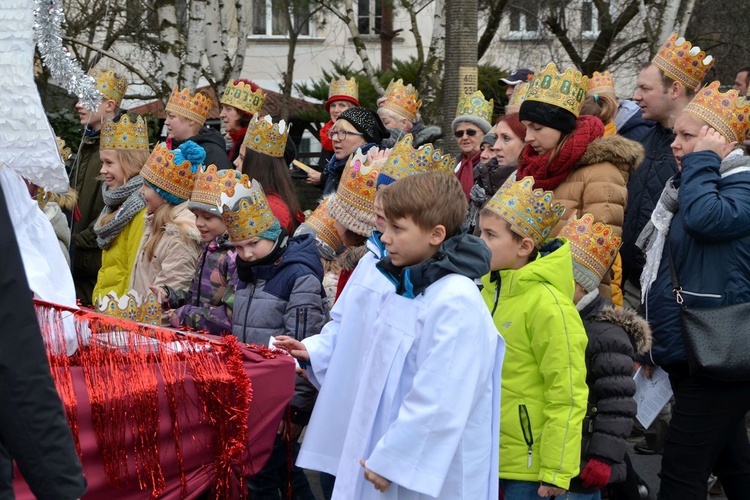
(48, 28)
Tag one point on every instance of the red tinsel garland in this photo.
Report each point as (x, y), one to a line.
(122, 384)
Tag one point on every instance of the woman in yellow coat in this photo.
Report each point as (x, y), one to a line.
(119, 228)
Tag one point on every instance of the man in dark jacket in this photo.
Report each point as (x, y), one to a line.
(661, 98)
(86, 256)
(33, 428)
(186, 115)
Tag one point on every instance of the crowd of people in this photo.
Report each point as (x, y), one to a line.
(465, 327)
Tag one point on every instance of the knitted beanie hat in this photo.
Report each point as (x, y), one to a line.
(367, 122)
(353, 204)
(548, 115)
(489, 138)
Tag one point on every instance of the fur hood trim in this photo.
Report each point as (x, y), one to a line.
(635, 326)
(623, 153)
(350, 257)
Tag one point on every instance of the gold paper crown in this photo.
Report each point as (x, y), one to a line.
(193, 107)
(324, 225)
(343, 87)
(682, 62)
(727, 112)
(594, 247)
(111, 86)
(131, 307)
(353, 205)
(210, 183)
(519, 94)
(402, 99)
(266, 137)
(601, 82)
(530, 212)
(241, 96)
(404, 160)
(64, 151)
(475, 105)
(161, 171)
(245, 211)
(565, 90)
(124, 134)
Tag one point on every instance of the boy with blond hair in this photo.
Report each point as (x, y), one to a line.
(530, 295)
(423, 414)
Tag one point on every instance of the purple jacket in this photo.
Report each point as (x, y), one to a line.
(209, 302)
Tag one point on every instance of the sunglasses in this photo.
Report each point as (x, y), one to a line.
(470, 132)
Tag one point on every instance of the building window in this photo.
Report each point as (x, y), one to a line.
(589, 19)
(525, 19)
(269, 19)
(370, 16)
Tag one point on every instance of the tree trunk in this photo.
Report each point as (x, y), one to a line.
(431, 72)
(287, 77)
(171, 44)
(196, 36)
(386, 35)
(460, 53)
(241, 9)
(216, 51)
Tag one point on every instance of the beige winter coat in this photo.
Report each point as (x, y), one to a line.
(175, 257)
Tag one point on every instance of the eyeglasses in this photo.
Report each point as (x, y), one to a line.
(470, 132)
(341, 134)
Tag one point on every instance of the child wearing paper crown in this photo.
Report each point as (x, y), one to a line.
(171, 243)
(409, 397)
(123, 150)
(615, 336)
(529, 292)
(207, 304)
(262, 157)
(279, 293)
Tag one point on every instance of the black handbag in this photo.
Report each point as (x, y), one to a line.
(717, 340)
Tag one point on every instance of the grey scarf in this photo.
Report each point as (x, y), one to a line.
(127, 202)
(654, 236)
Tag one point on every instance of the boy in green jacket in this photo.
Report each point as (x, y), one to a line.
(530, 294)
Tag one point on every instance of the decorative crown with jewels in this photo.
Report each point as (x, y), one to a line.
(266, 137)
(353, 204)
(519, 94)
(64, 151)
(110, 84)
(404, 160)
(124, 134)
(161, 171)
(193, 107)
(344, 87)
(209, 184)
(323, 224)
(402, 99)
(475, 105)
(245, 211)
(530, 212)
(565, 90)
(131, 307)
(601, 82)
(727, 112)
(240, 95)
(594, 246)
(682, 62)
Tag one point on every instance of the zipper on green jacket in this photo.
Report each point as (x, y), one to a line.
(528, 436)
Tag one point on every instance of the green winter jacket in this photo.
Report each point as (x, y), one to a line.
(544, 392)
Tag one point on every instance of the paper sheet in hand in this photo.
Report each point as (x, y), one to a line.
(303, 167)
(272, 341)
(651, 394)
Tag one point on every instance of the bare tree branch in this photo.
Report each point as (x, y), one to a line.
(497, 7)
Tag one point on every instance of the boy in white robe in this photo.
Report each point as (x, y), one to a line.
(409, 397)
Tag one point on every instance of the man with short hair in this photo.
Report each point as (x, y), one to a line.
(86, 256)
(517, 77)
(742, 80)
(664, 87)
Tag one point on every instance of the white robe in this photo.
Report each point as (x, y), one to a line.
(410, 385)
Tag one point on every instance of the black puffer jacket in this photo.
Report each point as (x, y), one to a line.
(615, 335)
(644, 189)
